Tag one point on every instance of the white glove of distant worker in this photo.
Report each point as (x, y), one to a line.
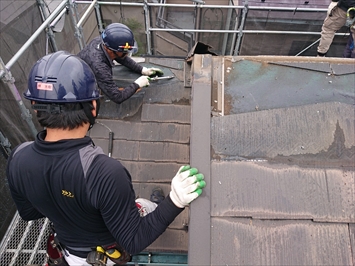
(186, 186)
(331, 6)
(142, 81)
(152, 71)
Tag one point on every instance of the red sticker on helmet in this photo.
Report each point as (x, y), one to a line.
(44, 86)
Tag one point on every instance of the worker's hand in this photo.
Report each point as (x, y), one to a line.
(152, 71)
(142, 81)
(186, 186)
(331, 6)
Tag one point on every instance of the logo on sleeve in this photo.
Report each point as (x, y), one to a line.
(67, 194)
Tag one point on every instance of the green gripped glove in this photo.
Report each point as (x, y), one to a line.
(186, 186)
(152, 71)
(142, 81)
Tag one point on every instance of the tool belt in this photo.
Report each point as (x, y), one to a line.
(54, 251)
(99, 255)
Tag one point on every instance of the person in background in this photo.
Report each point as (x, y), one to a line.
(115, 43)
(349, 51)
(335, 19)
(87, 195)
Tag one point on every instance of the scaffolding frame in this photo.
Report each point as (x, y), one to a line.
(71, 5)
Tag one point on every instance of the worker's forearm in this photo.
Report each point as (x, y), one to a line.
(119, 95)
(130, 63)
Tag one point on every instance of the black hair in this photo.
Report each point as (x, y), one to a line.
(62, 116)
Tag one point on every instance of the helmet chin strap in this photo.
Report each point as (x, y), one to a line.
(88, 111)
(57, 109)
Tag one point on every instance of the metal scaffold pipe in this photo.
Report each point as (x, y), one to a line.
(99, 18)
(78, 30)
(93, 3)
(294, 9)
(147, 27)
(34, 36)
(9, 80)
(55, 21)
(50, 34)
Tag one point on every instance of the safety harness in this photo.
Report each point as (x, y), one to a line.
(54, 250)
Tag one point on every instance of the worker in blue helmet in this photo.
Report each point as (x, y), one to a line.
(87, 196)
(115, 43)
(59, 83)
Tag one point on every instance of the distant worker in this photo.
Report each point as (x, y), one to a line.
(115, 43)
(335, 19)
(349, 51)
(87, 195)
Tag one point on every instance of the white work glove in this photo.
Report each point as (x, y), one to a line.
(152, 71)
(142, 81)
(331, 6)
(186, 186)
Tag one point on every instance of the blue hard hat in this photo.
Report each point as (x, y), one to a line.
(118, 37)
(61, 77)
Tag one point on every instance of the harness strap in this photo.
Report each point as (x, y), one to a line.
(83, 249)
(113, 251)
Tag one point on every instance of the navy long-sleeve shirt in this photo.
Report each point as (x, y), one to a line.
(101, 64)
(345, 4)
(349, 51)
(86, 194)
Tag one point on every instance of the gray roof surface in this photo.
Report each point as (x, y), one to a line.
(275, 139)
(151, 134)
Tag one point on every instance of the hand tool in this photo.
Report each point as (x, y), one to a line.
(160, 78)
